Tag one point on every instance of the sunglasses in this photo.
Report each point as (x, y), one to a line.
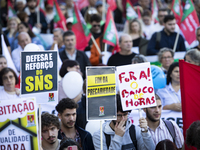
(96, 25)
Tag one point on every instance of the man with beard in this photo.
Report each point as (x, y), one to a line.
(120, 134)
(31, 11)
(166, 37)
(162, 129)
(67, 113)
(50, 127)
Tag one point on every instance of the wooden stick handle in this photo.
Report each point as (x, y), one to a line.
(101, 135)
(95, 43)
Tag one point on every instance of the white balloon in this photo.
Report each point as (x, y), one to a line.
(72, 84)
(31, 47)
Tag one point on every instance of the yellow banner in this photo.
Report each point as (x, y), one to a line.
(101, 91)
(101, 79)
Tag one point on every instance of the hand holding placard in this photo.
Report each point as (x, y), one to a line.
(143, 124)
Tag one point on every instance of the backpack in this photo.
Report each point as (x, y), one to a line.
(158, 38)
(170, 128)
(132, 135)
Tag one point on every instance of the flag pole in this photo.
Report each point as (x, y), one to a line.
(38, 14)
(105, 47)
(95, 43)
(140, 113)
(40, 131)
(104, 10)
(101, 135)
(64, 26)
(176, 41)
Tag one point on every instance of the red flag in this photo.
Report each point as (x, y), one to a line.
(154, 7)
(189, 81)
(189, 22)
(80, 29)
(177, 10)
(82, 3)
(110, 32)
(59, 18)
(112, 4)
(11, 10)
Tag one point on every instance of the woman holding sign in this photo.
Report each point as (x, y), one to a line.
(8, 79)
(171, 94)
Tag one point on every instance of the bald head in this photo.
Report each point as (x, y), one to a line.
(126, 43)
(23, 39)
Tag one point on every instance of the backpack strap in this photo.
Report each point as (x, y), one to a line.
(133, 135)
(108, 138)
(158, 38)
(170, 128)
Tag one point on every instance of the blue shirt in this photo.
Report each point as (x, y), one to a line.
(59, 49)
(168, 95)
(165, 41)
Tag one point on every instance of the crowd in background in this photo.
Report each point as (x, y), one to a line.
(137, 38)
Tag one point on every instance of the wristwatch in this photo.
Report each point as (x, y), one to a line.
(143, 130)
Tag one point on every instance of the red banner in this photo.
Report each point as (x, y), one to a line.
(190, 81)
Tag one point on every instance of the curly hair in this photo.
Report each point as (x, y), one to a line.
(68, 142)
(193, 135)
(49, 120)
(66, 103)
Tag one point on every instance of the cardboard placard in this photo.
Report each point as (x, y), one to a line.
(101, 93)
(136, 86)
(39, 75)
(18, 124)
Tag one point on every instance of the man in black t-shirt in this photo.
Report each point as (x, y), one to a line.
(125, 56)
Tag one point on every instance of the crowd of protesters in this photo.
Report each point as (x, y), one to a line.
(138, 38)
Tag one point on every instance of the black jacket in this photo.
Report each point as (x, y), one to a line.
(81, 57)
(81, 120)
(33, 20)
(86, 138)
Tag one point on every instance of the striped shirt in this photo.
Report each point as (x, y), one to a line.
(162, 133)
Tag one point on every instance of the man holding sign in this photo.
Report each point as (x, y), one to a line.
(121, 134)
(162, 129)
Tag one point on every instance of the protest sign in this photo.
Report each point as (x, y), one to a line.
(39, 75)
(18, 124)
(101, 91)
(135, 85)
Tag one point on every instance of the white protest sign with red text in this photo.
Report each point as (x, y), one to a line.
(136, 86)
(18, 124)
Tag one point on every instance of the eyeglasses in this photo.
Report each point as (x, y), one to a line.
(96, 25)
(120, 115)
(168, 57)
